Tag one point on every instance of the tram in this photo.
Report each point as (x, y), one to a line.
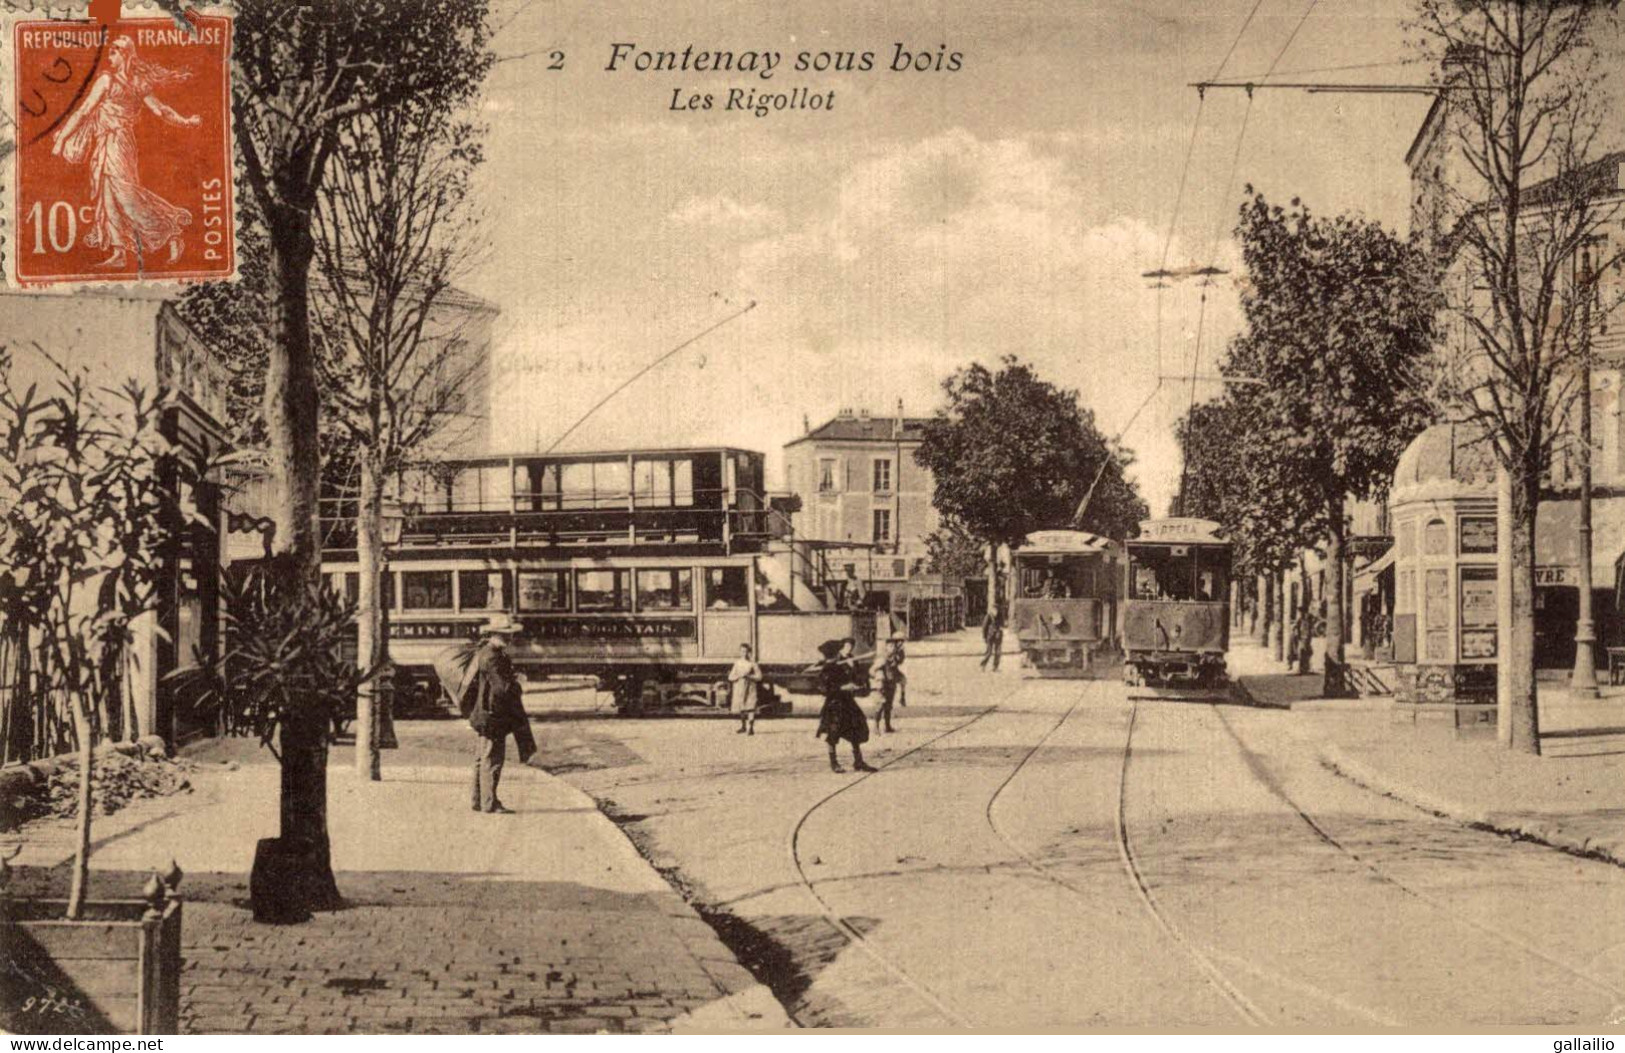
(1176, 611)
(1065, 605)
(644, 569)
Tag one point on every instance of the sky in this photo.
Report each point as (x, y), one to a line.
(923, 221)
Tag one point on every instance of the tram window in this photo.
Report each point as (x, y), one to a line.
(483, 590)
(612, 483)
(602, 590)
(663, 483)
(425, 488)
(426, 590)
(544, 590)
(682, 483)
(347, 583)
(666, 590)
(465, 491)
(496, 489)
(576, 485)
(1160, 575)
(727, 588)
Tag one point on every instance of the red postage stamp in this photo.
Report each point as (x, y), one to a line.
(122, 161)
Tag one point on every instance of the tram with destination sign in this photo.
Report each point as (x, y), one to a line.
(644, 569)
(1064, 610)
(1176, 607)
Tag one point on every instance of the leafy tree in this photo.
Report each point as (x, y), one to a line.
(951, 551)
(1525, 106)
(1012, 453)
(1340, 318)
(305, 72)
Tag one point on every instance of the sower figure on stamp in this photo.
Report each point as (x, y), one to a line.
(892, 680)
(743, 680)
(841, 718)
(496, 710)
(100, 133)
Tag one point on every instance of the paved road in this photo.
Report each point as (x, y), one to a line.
(1054, 854)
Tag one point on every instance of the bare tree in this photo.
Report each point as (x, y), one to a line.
(393, 230)
(1522, 93)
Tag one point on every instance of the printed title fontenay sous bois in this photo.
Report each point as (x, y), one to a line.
(628, 57)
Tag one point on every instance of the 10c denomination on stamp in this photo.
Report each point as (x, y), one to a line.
(122, 164)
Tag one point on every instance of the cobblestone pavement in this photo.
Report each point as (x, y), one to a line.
(542, 921)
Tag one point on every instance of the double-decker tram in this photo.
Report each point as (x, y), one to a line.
(1176, 612)
(1064, 608)
(645, 569)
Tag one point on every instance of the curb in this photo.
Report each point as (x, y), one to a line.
(747, 1005)
(1610, 850)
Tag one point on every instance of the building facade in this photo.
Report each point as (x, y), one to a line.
(861, 490)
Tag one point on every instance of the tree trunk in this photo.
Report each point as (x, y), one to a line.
(370, 629)
(1335, 569)
(1252, 605)
(291, 408)
(1266, 612)
(1521, 660)
(291, 401)
(81, 853)
(1305, 641)
(1278, 633)
(304, 815)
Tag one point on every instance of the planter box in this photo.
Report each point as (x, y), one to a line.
(117, 970)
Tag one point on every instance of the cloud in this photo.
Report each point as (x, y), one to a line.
(721, 210)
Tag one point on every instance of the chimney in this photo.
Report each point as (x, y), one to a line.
(1619, 175)
(897, 425)
(844, 414)
(806, 425)
(863, 413)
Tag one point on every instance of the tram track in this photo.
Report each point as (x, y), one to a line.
(1259, 772)
(853, 935)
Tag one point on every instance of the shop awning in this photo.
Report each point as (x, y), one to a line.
(1363, 576)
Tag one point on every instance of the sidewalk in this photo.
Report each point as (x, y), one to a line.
(547, 920)
(1576, 804)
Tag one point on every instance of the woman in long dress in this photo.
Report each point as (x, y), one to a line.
(100, 133)
(841, 718)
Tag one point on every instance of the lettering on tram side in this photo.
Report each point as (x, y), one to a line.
(432, 630)
(612, 628)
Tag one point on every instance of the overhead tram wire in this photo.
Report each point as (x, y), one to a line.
(635, 377)
(1167, 247)
(1218, 229)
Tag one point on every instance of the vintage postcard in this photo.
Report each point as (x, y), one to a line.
(939, 517)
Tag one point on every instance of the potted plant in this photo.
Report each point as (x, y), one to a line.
(282, 675)
(92, 496)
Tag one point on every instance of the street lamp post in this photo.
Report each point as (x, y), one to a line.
(1583, 682)
(391, 522)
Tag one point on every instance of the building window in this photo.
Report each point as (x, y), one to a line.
(899, 568)
(666, 590)
(482, 590)
(726, 588)
(603, 590)
(882, 525)
(544, 590)
(426, 590)
(826, 475)
(882, 475)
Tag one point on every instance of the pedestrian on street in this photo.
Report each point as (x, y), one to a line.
(496, 710)
(841, 718)
(993, 638)
(743, 680)
(892, 680)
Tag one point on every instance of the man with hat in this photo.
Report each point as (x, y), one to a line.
(496, 710)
